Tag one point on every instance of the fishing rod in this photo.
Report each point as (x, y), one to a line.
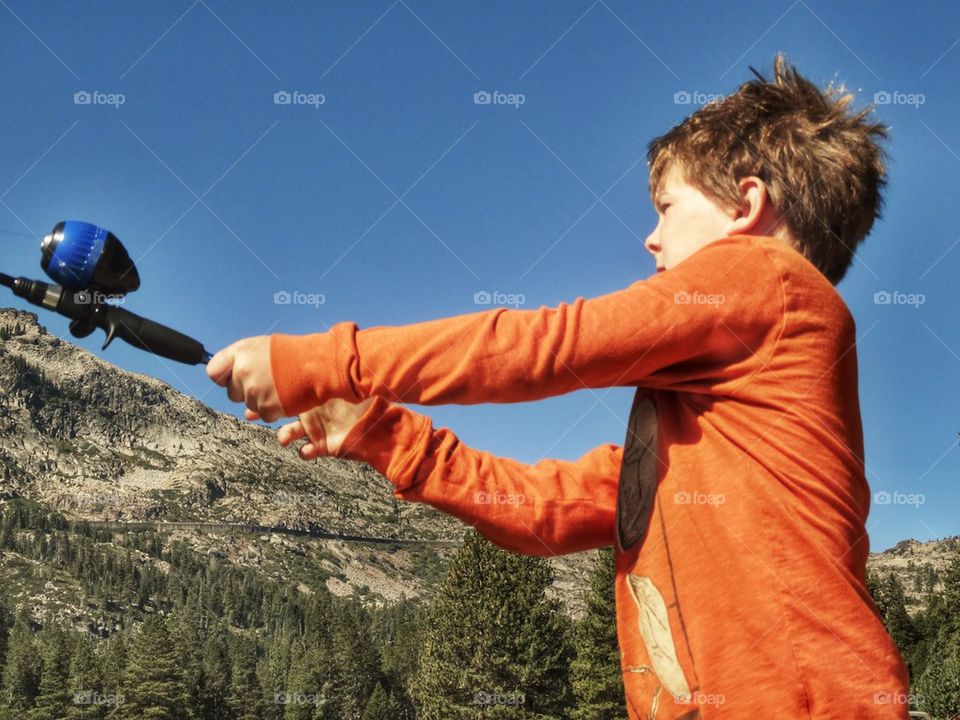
(90, 266)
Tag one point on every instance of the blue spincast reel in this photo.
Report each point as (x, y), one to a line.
(82, 256)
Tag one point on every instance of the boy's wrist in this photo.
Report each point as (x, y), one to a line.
(308, 370)
(391, 439)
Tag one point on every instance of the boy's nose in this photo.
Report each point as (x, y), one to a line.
(652, 243)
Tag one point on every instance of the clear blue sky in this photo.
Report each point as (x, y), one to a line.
(398, 197)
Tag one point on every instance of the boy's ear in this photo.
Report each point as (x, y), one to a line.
(756, 215)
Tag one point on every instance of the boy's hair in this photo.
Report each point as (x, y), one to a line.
(820, 160)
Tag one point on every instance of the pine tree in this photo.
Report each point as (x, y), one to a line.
(595, 673)
(892, 606)
(951, 595)
(243, 696)
(494, 645)
(216, 672)
(85, 683)
(53, 699)
(21, 674)
(272, 675)
(186, 629)
(938, 688)
(6, 622)
(114, 664)
(310, 694)
(398, 630)
(382, 705)
(357, 662)
(153, 686)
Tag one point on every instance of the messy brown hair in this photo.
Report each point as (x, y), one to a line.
(820, 160)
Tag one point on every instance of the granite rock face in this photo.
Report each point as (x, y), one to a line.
(101, 444)
(98, 443)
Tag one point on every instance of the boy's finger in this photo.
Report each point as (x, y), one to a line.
(288, 433)
(251, 415)
(220, 366)
(269, 415)
(234, 389)
(309, 452)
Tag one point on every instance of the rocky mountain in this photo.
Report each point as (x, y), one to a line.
(917, 565)
(97, 443)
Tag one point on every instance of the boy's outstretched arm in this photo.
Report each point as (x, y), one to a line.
(697, 322)
(551, 508)
(695, 327)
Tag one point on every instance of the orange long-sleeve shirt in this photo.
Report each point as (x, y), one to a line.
(747, 597)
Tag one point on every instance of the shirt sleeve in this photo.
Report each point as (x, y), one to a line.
(697, 327)
(551, 508)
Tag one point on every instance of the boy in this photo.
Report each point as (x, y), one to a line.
(738, 503)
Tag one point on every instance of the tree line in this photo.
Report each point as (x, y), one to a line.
(201, 639)
(218, 641)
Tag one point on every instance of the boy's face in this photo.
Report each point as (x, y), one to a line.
(687, 221)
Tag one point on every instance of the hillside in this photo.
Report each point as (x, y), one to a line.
(917, 565)
(97, 443)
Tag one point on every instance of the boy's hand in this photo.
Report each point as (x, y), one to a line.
(326, 426)
(244, 369)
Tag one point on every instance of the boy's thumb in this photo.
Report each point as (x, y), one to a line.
(220, 366)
